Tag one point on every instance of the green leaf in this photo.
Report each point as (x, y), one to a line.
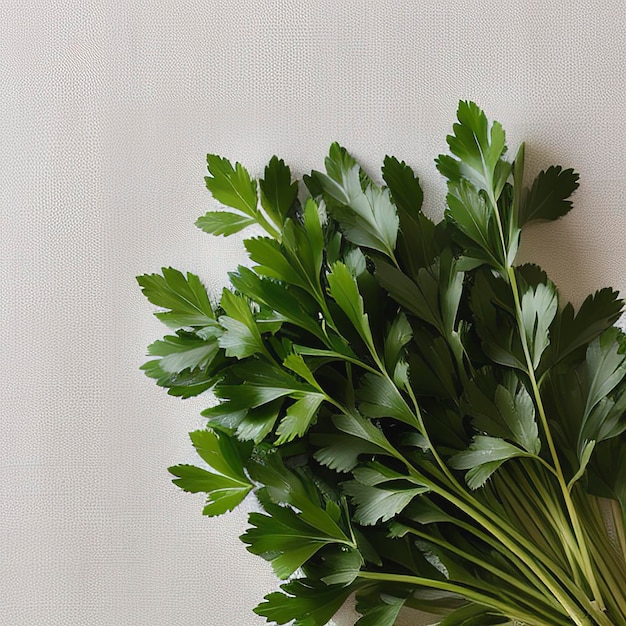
(380, 492)
(222, 453)
(570, 332)
(416, 244)
(502, 410)
(231, 186)
(272, 261)
(607, 471)
(384, 613)
(353, 424)
(539, 307)
(241, 337)
(479, 148)
(284, 538)
(296, 363)
(547, 198)
(341, 452)
(605, 366)
(379, 503)
(585, 456)
(183, 351)
(399, 334)
(300, 415)
(185, 297)
(431, 365)
(298, 259)
(518, 412)
(474, 217)
(227, 485)
(607, 419)
(303, 246)
(343, 564)
(420, 297)
(450, 291)
(292, 304)
(248, 424)
(404, 186)
(185, 384)
(340, 160)
(379, 397)
(483, 458)
(307, 602)
(494, 322)
(284, 487)
(367, 217)
(278, 193)
(223, 223)
(344, 290)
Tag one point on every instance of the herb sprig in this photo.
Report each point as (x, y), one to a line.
(421, 421)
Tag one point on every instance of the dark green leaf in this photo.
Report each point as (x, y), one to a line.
(420, 298)
(248, 424)
(547, 198)
(384, 613)
(379, 397)
(341, 452)
(431, 366)
(278, 193)
(399, 334)
(353, 424)
(475, 219)
(186, 298)
(307, 602)
(292, 304)
(570, 332)
(284, 487)
(285, 539)
(343, 564)
(222, 453)
(380, 493)
(404, 186)
(184, 384)
(495, 326)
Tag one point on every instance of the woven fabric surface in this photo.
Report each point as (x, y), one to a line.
(108, 110)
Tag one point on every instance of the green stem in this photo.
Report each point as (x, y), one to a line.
(468, 592)
(513, 541)
(500, 574)
(555, 517)
(571, 509)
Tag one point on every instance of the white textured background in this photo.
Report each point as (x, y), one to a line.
(107, 109)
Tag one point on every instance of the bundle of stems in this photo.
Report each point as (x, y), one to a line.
(423, 424)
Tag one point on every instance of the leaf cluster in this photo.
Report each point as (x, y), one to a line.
(423, 423)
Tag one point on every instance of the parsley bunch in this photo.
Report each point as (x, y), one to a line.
(421, 421)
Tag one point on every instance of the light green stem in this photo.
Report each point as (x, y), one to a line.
(468, 592)
(571, 509)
